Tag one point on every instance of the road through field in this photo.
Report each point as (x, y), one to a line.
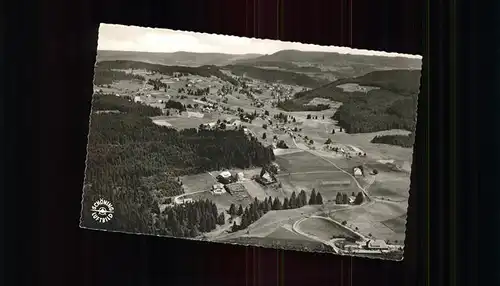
(340, 169)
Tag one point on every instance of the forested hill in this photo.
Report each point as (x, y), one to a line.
(132, 162)
(275, 75)
(400, 82)
(391, 106)
(205, 71)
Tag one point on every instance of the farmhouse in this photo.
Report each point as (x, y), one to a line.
(137, 99)
(184, 201)
(265, 178)
(234, 122)
(376, 244)
(357, 171)
(225, 177)
(218, 189)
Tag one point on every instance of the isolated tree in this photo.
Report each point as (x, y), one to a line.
(194, 232)
(340, 129)
(302, 198)
(328, 141)
(277, 204)
(359, 199)
(312, 199)
(240, 211)
(286, 204)
(309, 116)
(264, 126)
(232, 209)
(311, 141)
(333, 131)
(323, 116)
(345, 198)
(221, 219)
(266, 112)
(319, 199)
(264, 136)
(375, 171)
(234, 227)
(293, 200)
(344, 222)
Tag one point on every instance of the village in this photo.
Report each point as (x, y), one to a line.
(206, 103)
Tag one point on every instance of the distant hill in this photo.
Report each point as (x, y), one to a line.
(327, 58)
(392, 106)
(177, 58)
(205, 71)
(339, 65)
(275, 75)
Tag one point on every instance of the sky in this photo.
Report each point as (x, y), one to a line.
(140, 39)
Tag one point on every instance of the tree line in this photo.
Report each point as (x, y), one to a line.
(104, 76)
(258, 208)
(175, 105)
(406, 141)
(343, 198)
(291, 105)
(175, 71)
(157, 84)
(189, 219)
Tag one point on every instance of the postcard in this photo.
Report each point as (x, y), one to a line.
(251, 141)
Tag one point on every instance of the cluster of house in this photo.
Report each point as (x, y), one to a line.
(344, 150)
(368, 245)
(227, 122)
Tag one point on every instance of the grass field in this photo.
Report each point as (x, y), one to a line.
(255, 190)
(394, 190)
(198, 182)
(328, 183)
(302, 162)
(323, 229)
(397, 224)
(284, 233)
(379, 219)
(182, 123)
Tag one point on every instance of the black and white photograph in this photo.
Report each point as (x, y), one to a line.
(253, 142)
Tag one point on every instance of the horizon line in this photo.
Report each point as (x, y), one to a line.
(384, 55)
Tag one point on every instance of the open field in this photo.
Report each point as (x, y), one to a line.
(198, 182)
(375, 219)
(328, 183)
(324, 229)
(393, 190)
(302, 162)
(285, 233)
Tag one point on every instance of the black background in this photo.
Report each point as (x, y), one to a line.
(51, 47)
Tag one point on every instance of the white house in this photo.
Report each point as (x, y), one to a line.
(225, 174)
(218, 189)
(358, 172)
(376, 244)
(240, 176)
(137, 99)
(235, 122)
